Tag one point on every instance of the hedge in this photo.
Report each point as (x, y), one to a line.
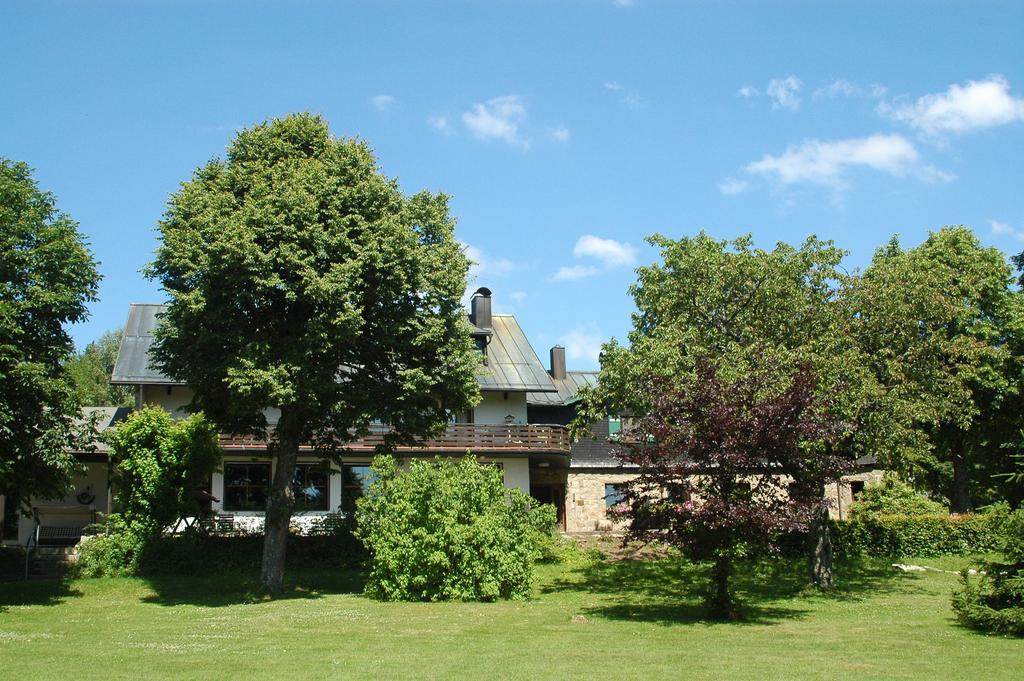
(120, 554)
(918, 535)
(12, 563)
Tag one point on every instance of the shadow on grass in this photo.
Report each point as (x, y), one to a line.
(219, 590)
(52, 592)
(670, 590)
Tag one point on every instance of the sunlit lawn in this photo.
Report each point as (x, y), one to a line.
(592, 620)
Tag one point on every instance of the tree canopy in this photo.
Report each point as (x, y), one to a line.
(91, 369)
(303, 284)
(47, 278)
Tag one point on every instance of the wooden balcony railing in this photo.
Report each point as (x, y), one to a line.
(478, 437)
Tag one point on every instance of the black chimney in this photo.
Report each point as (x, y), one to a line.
(557, 362)
(480, 313)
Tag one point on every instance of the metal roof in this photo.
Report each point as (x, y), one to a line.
(106, 417)
(567, 389)
(512, 364)
(132, 365)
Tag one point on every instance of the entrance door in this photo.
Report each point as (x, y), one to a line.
(551, 494)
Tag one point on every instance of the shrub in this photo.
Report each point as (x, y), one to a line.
(918, 535)
(122, 552)
(448, 530)
(994, 599)
(12, 563)
(894, 497)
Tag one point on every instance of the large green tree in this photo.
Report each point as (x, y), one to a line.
(304, 285)
(91, 370)
(944, 330)
(729, 303)
(47, 278)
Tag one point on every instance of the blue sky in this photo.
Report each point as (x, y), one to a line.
(565, 131)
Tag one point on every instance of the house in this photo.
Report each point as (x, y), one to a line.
(520, 426)
(498, 430)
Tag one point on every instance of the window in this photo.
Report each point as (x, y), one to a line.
(614, 427)
(310, 487)
(355, 481)
(856, 487)
(614, 494)
(481, 346)
(246, 486)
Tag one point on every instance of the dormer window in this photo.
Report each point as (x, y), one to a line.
(481, 346)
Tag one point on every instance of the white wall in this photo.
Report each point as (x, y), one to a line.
(69, 512)
(175, 398)
(496, 405)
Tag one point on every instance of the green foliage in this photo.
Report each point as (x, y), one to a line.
(894, 497)
(12, 563)
(302, 279)
(945, 330)
(47, 278)
(159, 464)
(449, 530)
(994, 599)
(919, 535)
(91, 369)
(120, 552)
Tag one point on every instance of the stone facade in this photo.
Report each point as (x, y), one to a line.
(586, 509)
(841, 496)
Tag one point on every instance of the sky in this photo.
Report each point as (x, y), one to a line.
(565, 131)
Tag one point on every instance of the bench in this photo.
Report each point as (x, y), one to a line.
(50, 535)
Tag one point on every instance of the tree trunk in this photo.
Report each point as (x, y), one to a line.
(821, 549)
(719, 600)
(961, 482)
(280, 503)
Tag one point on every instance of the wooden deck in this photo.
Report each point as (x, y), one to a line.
(459, 437)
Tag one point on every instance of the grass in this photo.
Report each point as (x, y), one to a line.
(590, 619)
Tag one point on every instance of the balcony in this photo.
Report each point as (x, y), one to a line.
(478, 437)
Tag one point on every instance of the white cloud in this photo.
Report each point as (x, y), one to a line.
(441, 124)
(498, 118)
(630, 99)
(624, 3)
(819, 162)
(731, 185)
(382, 102)
(575, 272)
(748, 91)
(1003, 229)
(960, 109)
(483, 268)
(845, 88)
(560, 134)
(518, 296)
(583, 343)
(609, 252)
(785, 92)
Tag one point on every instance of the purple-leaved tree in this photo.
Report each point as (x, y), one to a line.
(713, 458)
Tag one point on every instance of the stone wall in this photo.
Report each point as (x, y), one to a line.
(840, 495)
(585, 504)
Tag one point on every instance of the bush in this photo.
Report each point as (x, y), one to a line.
(894, 497)
(994, 599)
(449, 530)
(918, 535)
(12, 563)
(120, 551)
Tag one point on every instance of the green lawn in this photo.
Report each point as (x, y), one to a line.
(639, 620)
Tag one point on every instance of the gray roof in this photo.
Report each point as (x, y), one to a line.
(106, 417)
(567, 389)
(132, 364)
(512, 363)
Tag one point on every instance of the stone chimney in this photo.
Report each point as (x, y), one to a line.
(480, 311)
(557, 362)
